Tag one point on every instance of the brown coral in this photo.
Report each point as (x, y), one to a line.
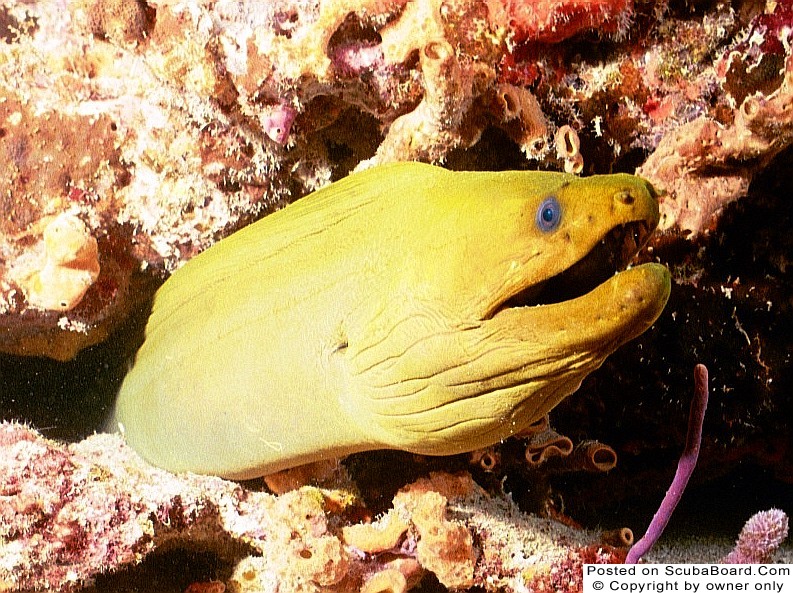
(119, 21)
(704, 165)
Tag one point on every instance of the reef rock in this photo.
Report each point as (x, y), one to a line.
(158, 127)
(71, 513)
(162, 126)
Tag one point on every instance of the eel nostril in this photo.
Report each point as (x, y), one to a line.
(625, 197)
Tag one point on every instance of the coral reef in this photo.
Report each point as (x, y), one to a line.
(143, 131)
(163, 125)
(71, 513)
(198, 117)
(706, 164)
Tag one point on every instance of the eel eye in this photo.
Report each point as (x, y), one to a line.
(549, 214)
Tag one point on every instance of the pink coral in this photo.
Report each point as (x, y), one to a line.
(566, 575)
(70, 513)
(760, 538)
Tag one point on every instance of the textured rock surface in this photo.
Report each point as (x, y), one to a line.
(162, 126)
(69, 514)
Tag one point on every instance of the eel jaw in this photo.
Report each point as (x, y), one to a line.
(594, 306)
(455, 391)
(611, 255)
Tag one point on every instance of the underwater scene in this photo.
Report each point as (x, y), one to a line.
(316, 296)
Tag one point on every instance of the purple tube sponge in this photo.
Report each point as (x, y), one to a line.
(759, 538)
(685, 467)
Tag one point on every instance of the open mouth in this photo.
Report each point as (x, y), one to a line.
(611, 255)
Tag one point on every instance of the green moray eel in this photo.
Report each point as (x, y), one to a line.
(405, 307)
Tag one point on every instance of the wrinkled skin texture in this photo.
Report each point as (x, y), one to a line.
(393, 309)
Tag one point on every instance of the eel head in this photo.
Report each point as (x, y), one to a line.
(522, 300)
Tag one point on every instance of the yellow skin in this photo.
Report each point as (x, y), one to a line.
(374, 314)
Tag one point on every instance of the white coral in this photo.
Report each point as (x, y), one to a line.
(69, 266)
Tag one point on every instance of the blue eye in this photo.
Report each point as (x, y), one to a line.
(549, 214)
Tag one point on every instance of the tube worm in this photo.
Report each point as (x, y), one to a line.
(619, 538)
(545, 445)
(488, 459)
(521, 117)
(540, 425)
(441, 72)
(568, 148)
(427, 132)
(591, 456)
